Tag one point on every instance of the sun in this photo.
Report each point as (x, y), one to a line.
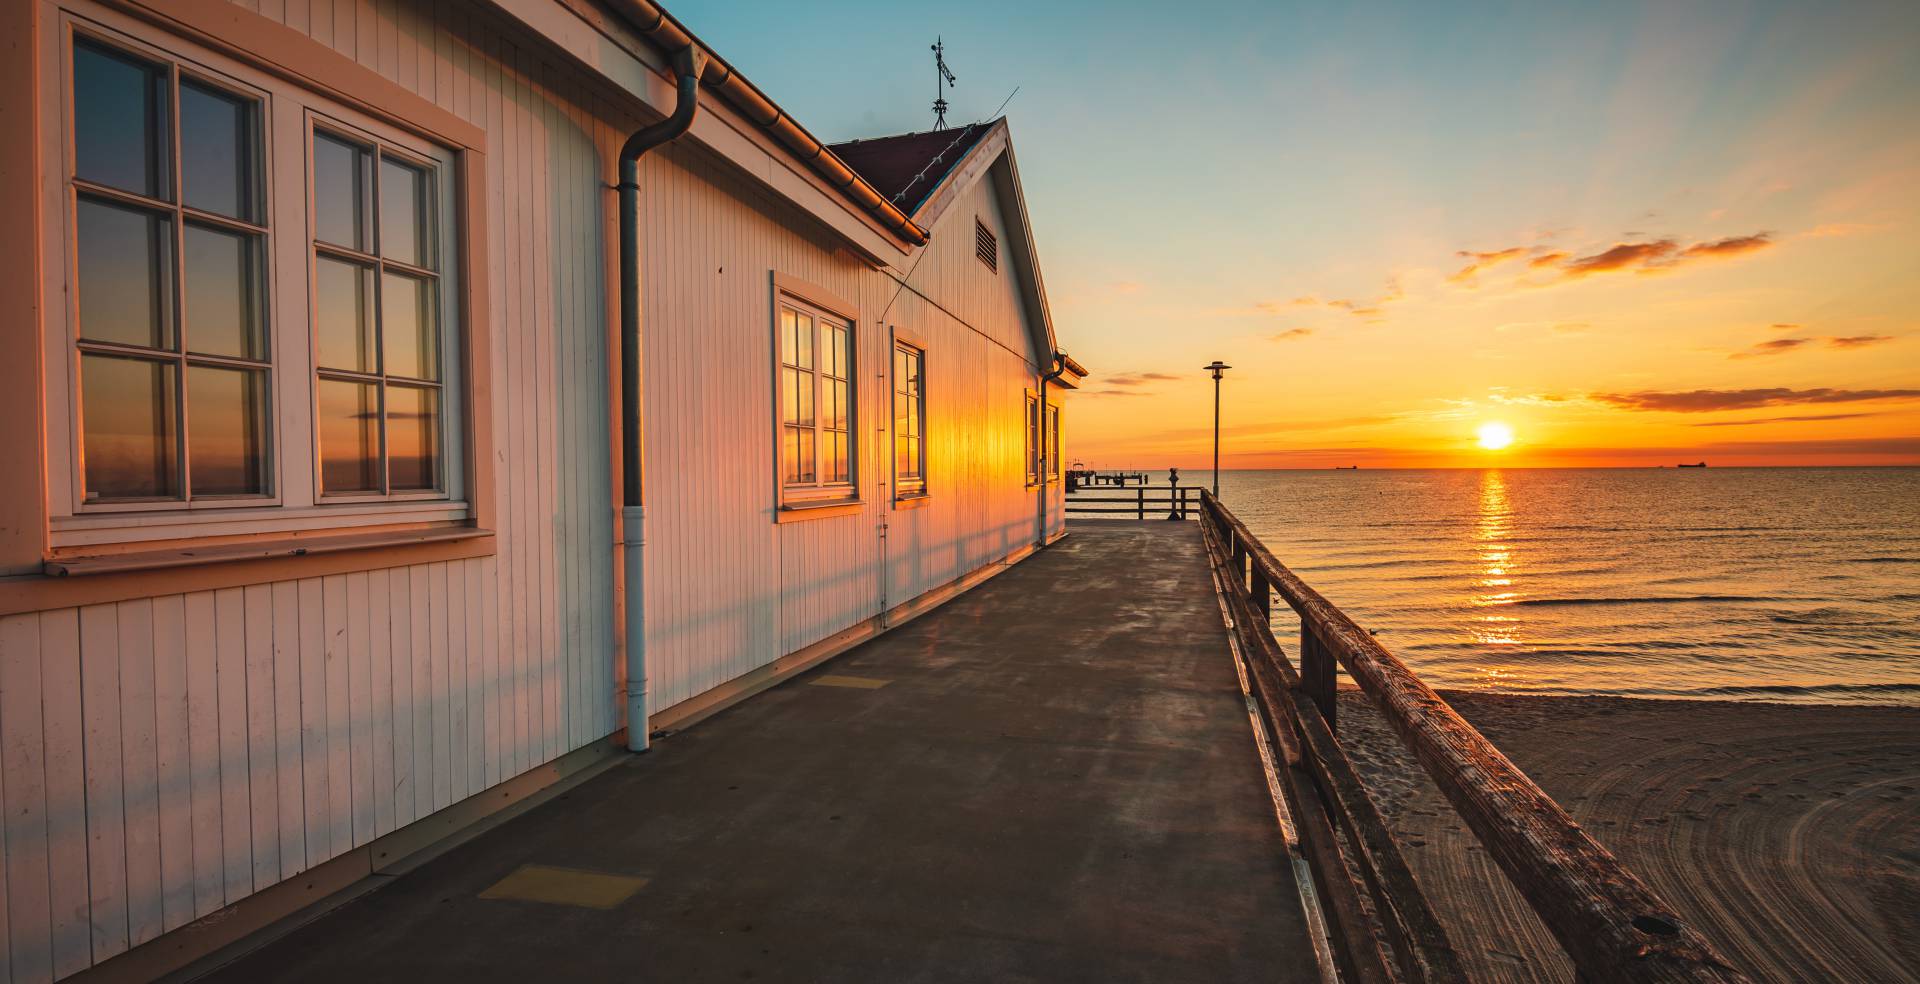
(1495, 436)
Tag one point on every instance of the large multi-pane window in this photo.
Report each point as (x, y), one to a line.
(817, 445)
(376, 323)
(170, 229)
(261, 312)
(909, 420)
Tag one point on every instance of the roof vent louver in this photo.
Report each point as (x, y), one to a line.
(985, 246)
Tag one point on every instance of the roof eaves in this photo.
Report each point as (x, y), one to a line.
(656, 25)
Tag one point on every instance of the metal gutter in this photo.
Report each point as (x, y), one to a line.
(659, 27)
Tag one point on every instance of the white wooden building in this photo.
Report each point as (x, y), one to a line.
(315, 539)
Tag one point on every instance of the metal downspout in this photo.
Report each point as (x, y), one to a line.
(687, 65)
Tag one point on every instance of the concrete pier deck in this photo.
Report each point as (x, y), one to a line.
(1051, 778)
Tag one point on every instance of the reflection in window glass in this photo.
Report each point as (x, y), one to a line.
(403, 213)
(120, 122)
(341, 187)
(172, 317)
(227, 430)
(343, 315)
(377, 322)
(125, 275)
(349, 430)
(909, 420)
(128, 409)
(218, 168)
(224, 293)
(413, 437)
(407, 324)
(817, 446)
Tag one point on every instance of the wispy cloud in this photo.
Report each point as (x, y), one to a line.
(1857, 341)
(1113, 392)
(1777, 346)
(1126, 287)
(1709, 401)
(1730, 246)
(1291, 335)
(1484, 261)
(1633, 255)
(1798, 418)
(1784, 326)
(1137, 378)
(1620, 256)
(1781, 346)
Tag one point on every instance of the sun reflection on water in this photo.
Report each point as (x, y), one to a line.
(1496, 562)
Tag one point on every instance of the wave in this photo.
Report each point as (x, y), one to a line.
(1650, 600)
(1814, 690)
(1836, 617)
(1883, 560)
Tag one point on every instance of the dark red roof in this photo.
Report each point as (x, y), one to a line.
(906, 168)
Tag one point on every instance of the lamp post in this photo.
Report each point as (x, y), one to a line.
(1216, 368)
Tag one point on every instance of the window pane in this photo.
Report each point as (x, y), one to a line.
(407, 326)
(341, 187)
(349, 436)
(120, 122)
(126, 275)
(344, 304)
(219, 170)
(790, 454)
(839, 468)
(225, 314)
(806, 458)
(413, 438)
(227, 430)
(128, 411)
(404, 226)
(803, 335)
(803, 395)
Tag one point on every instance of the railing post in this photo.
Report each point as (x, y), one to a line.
(1262, 593)
(1141, 495)
(1317, 674)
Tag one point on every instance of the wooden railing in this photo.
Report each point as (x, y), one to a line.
(1140, 502)
(1612, 926)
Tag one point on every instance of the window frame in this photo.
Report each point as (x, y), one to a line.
(920, 486)
(1031, 423)
(243, 53)
(1050, 441)
(817, 498)
(450, 480)
(178, 68)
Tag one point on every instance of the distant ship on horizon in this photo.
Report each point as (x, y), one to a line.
(1685, 465)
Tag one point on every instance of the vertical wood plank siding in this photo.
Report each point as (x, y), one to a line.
(164, 757)
(728, 589)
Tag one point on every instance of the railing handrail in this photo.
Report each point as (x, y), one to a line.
(1611, 924)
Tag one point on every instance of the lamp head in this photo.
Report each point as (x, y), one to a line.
(1217, 368)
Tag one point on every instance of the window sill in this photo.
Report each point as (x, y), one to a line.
(799, 512)
(917, 500)
(72, 581)
(149, 560)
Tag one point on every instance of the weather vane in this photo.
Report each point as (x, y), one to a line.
(941, 82)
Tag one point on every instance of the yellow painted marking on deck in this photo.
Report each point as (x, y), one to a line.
(852, 682)
(565, 886)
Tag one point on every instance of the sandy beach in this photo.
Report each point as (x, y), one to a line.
(1790, 834)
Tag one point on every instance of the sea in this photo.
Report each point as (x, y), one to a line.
(1775, 584)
